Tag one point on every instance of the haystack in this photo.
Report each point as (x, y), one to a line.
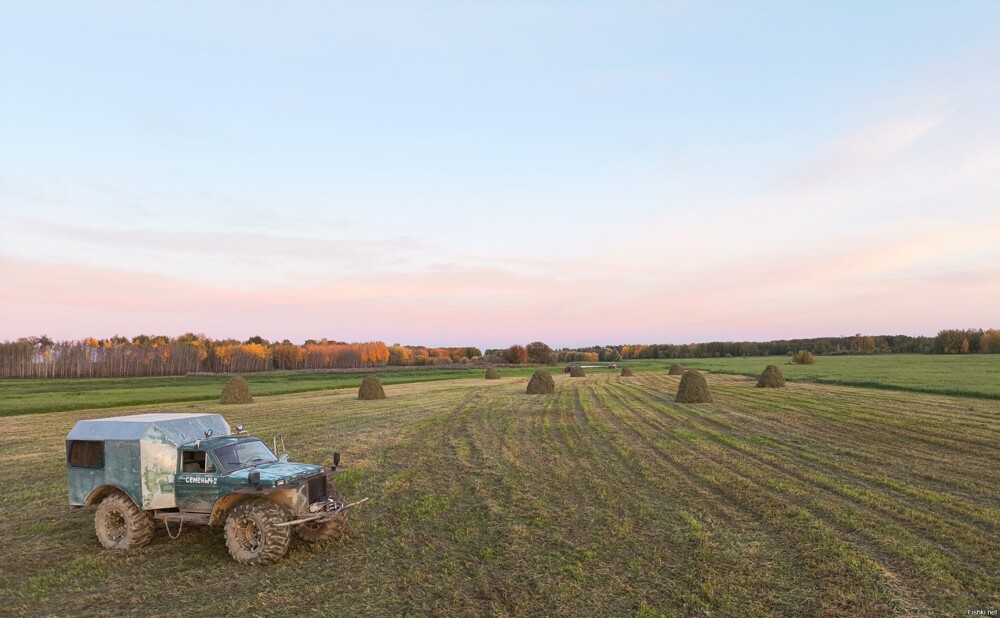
(771, 378)
(693, 388)
(236, 390)
(541, 383)
(371, 388)
(627, 373)
(676, 370)
(577, 372)
(492, 374)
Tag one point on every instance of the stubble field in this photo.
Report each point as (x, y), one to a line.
(605, 498)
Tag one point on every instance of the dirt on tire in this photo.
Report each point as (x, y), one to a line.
(252, 535)
(121, 524)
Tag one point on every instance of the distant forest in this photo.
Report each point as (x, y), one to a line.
(954, 341)
(41, 357)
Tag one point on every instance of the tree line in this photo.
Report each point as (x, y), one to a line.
(145, 355)
(952, 341)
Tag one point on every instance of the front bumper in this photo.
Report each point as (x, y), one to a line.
(323, 512)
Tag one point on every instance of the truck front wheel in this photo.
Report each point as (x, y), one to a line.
(120, 524)
(251, 534)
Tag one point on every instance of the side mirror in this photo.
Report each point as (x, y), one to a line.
(254, 477)
(336, 459)
(283, 458)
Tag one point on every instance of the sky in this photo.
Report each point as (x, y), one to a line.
(489, 173)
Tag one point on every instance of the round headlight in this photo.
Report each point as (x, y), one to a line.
(281, 482)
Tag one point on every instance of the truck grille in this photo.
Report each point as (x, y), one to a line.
(317, 489)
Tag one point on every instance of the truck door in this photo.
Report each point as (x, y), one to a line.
(196, 486)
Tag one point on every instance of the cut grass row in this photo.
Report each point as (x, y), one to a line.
(606, 498)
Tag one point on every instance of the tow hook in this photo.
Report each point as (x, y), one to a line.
(324, 511)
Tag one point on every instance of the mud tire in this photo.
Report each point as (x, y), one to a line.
(120, 524)
(251, 534)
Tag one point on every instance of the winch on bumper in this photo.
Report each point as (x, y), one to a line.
(324, 511)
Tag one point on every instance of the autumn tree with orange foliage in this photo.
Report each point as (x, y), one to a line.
(516, 355)
(989, 343)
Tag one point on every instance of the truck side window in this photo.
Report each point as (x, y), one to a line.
(193, 461)
(86, 454)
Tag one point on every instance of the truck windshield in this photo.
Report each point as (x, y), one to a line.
(243, 454)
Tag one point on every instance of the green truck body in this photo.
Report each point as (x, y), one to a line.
(191, 468)
(136, 454)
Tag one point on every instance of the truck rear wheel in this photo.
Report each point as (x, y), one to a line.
(251, 534)
(120, 524)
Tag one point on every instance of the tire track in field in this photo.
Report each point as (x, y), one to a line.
(850, 400)
(606, 493)
(827, 441)
(679, 471)
(752, 474)
(932, 527)
(596, 479)
(850, 409)
(590, 481)
(708, 470)
(712, 506)
(740, 510)
(930, 500)
(722, 423)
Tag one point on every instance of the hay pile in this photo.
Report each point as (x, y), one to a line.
(676, 370)
(371, 388)
(771, 378)
(693, 388)
(236, 390)
(627, 373)
(577, 372)
(541, 383)
(492, 374)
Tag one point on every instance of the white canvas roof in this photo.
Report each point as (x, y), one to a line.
(160, 427)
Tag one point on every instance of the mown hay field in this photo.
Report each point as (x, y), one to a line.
(605, 498)
(35, 396)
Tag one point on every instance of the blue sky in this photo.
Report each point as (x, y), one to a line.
(489, 173)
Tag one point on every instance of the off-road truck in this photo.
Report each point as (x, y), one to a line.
(192, 469)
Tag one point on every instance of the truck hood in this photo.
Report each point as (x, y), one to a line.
(271, 473)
